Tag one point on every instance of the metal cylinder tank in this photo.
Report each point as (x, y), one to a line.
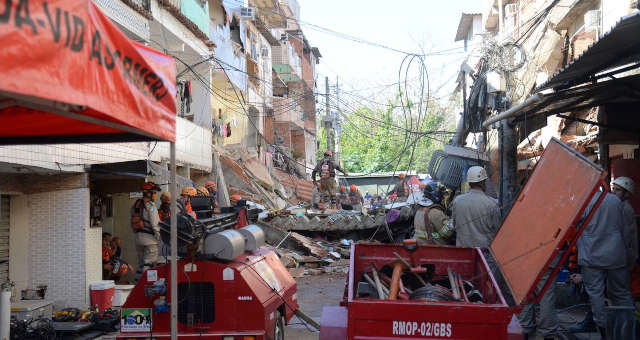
(225, 245)
(254, 237)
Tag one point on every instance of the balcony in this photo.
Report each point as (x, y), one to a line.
(287, 63)
(269, 13)
(191, 14)
(132, 15)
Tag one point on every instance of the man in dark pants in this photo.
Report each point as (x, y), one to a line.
(602, 255)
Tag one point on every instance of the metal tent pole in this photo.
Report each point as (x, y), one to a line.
(174, 244)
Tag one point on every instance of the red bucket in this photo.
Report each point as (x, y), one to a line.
(102, 293)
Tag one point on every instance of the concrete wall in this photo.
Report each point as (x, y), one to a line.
(283, 132)
(71, 157)
(19, 236)
(612, 11)
(193, 146)
(311, 146)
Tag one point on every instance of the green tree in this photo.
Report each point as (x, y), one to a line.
(381, 140)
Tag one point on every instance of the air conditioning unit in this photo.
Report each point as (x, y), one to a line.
(248, 13)
(264, 52)
(592, 20)
(510, 10)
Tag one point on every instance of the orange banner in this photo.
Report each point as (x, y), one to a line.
(67, 73)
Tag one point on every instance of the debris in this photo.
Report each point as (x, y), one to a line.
(308, 246)
(297, 272)
(346, 253)
(346, 243)
(334, 254)
(288, 261)
(312, 265)
(307, 319)
(316, 271)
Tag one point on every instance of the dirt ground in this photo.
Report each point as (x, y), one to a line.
(314, 292)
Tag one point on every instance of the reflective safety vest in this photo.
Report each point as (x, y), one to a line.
(326, 169)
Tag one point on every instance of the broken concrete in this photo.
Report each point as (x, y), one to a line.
(327, 223)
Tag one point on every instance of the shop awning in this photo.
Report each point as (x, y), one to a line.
(615, 91)
(616, 48)
(67, 74)
(135, 169)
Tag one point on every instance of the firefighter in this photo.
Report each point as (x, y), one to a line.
(211, 187)
(327, 170)
(603, 256)
(202, 191)
(213, 191)
(165, 206)
(184, 202)
(437, 228)
(623, 188)
(355, 198)
(401, 189)
(476, 216)
(144, 222)
(342, 196)
(234, 199)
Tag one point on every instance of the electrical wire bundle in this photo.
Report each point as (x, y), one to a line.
(32, 329)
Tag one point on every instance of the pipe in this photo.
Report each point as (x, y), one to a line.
(174, 243)
(5, 312)
(514, 110)
(394, 286)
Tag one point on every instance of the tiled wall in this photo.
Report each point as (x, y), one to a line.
(65, 252)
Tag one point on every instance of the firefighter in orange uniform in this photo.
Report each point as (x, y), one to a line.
(327, 170)
(184, 202)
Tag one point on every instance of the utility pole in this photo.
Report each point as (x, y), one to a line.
(328, 121)
(508, 164)
(336, 124)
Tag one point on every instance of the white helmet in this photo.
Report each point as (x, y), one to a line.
(625, 183)
(476, 174)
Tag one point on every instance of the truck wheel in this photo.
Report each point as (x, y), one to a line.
(278, 331)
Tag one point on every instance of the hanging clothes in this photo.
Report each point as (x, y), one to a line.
(228, 130)
(224, 130)
(185, 97)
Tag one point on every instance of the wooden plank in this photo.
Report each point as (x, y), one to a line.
(308, 245)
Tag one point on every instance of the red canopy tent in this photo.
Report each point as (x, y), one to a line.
(68, 75)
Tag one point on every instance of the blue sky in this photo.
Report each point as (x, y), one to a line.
(407, 25)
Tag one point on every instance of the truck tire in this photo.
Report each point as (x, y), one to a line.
(278, 330)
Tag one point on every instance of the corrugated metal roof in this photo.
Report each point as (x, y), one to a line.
(618, 47)
(620, 90)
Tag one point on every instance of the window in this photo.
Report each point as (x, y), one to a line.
(254, 51)
(235, 31)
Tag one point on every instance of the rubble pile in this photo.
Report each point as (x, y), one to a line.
(302, 255)
(247, 176)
